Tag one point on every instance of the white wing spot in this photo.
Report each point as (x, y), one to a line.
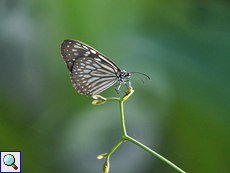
(75, 53)
(80, 75)
(78, 69)
(108, 68)
(86, 71)
(67, 45)
(90, 67)
(73, 59)
(96, 65)
(75, 50)
(76, 73)
(98, 59)
(78, 44)
(78, 47)
(104, 71)
(101, 56)
(93, 79)
(97, 73)
(82, 64)
(68, 53)
(93, 51)
(89, 60)
(69, 42)
(87, 53)
(86, 76)
(85, 47)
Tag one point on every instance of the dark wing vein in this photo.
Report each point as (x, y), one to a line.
(91, 77)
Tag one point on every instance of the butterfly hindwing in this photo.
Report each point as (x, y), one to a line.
(90, 77)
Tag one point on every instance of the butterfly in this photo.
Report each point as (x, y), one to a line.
(90, 71)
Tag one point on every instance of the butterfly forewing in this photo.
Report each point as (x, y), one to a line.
(91, 72)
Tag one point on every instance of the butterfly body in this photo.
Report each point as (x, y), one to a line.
(90, 71)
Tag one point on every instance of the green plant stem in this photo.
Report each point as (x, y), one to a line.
(126, 137)
(114, 148)
(122, 119)
(153, 152)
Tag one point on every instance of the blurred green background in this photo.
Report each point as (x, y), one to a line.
(182, 113)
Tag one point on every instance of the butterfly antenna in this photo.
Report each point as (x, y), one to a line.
(142, 74)
(140, 78)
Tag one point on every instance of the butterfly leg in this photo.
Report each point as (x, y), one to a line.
(117, 88)
(128, 81)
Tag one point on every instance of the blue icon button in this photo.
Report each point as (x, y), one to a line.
(9, 160)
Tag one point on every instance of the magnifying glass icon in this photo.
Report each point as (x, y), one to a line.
(9, 160)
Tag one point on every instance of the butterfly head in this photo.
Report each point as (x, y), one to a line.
(123, 76)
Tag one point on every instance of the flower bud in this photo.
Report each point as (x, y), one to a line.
(105, 167)
(101, 156)
(98, 102)
(129, 92)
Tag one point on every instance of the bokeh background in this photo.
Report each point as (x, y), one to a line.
(182, 113)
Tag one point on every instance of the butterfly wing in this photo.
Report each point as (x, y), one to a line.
(91, 72)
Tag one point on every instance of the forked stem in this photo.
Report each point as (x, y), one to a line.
(101, 100)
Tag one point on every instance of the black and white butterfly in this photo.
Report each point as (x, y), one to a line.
(90, 71)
